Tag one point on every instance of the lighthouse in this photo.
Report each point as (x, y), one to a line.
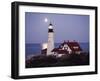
(50, 43)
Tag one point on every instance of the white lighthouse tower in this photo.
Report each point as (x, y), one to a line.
(50, 44)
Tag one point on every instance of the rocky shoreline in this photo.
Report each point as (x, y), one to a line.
(52, 61)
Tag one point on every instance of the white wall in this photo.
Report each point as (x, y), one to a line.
(5, 40)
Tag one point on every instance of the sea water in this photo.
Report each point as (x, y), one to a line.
(34, 49)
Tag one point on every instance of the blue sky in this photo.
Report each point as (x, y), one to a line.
(66, 27)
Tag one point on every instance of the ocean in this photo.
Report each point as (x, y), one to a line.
(33, 49)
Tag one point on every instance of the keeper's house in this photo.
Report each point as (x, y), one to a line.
(67, 47)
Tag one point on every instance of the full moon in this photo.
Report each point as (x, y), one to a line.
(45, 20)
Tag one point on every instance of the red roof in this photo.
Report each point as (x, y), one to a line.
(74, 46)
(55, 50)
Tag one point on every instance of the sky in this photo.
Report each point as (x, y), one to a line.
(66, 27)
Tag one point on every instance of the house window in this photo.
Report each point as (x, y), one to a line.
(66, 48)
(75, 47)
